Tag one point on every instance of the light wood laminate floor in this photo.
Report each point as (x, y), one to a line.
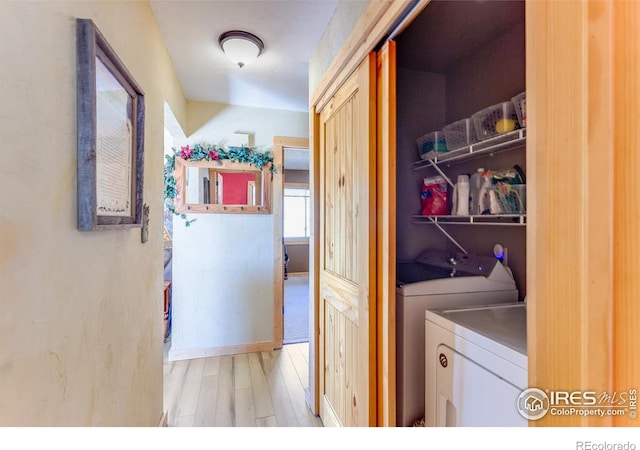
(255, 389)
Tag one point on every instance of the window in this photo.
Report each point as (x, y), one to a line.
(297, 212)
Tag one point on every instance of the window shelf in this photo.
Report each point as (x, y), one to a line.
(508, 141)
(489, 219)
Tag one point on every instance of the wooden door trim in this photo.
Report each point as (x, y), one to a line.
(327, 106)
(279, 144)
(583, 310)
(291, 142)
(626, 166)
(314, 260)
(319, 257)
(378, 20)
(386, 244)
(372, 251)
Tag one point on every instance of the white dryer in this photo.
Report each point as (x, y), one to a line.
(476, 365)
(437, 279)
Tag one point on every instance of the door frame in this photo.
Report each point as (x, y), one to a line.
(582, 317)
(279, 144)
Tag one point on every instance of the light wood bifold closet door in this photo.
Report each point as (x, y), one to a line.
(347, 310)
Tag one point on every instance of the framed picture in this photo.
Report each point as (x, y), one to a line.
(110, 136)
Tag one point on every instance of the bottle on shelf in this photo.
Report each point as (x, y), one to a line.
(475, 183)
(462, 192)
(484, 202)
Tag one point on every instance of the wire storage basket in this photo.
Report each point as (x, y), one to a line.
(520, 104)
(460, 134)
(431, 145)
(495, 120)
(508, 198)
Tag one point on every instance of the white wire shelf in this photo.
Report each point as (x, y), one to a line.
(508, 141)
(488, 219)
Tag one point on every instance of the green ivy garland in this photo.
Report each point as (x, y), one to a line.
(208, 152)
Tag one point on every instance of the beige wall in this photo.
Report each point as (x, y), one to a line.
(216, 122)
(223, 264)
(298, 257)
(345, 16)
(81, 322)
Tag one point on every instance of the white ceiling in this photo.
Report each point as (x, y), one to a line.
(290, 30)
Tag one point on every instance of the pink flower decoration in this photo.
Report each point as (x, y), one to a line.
(214, 155)
(185, 152)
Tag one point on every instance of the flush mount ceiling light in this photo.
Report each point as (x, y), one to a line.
(241, 47)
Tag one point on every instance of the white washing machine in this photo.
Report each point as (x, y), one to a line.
(476, 365)
(437, 279)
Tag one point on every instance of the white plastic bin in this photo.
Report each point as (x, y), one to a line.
(460, 134)
(495, 120)
(431, 144)
(520, 104)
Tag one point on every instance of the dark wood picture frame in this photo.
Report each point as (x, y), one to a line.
(93, 50)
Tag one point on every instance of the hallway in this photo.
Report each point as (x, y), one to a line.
(296, 309)
(256, 389)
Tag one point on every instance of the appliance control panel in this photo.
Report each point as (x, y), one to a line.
(472, 264)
